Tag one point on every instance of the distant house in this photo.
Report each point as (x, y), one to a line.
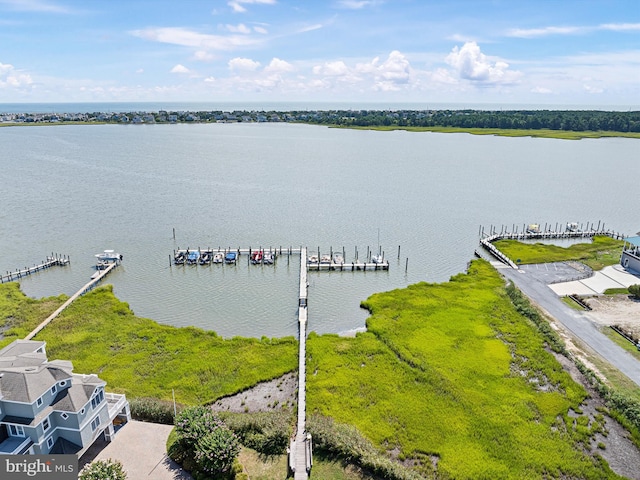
(630, 258)
(46, 408)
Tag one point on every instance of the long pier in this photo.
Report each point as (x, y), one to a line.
(300, 450)
(51, 261)
(99, 275)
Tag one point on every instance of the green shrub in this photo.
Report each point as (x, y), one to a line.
(103, 470)
(216, 452)
(266, 432)
(635, 291)
(153, 410)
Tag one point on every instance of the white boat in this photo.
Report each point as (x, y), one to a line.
(377, 259)
(325, 259)
(533, 228)
(268, 258)
(218, 257)
(312, 260)
(572, 227)
(338, 258)
(106, 258)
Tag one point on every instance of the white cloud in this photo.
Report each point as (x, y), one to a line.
(190, 38)
(260, 29)
(541, 90)
(620, 27)
(41, 6)
(243, 64)
(240, 28)
(396, 68)
(542, 32)
(279, 66)
(203, 56)
(470, 63)
(331, 69)
(357, 4)
(238, 6)
(10, 77)
(592, 89)
(180, 69)
(140, 70)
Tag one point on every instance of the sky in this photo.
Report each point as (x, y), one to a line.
(544, 52)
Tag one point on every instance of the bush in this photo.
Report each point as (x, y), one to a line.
(635, 291)
(217, 450)
(103, 470)
(153, 410)
(266, 432)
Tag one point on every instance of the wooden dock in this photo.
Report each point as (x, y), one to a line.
(300, 450)
(53, 260)
(487, 239)
(348, 267)
(95, 278)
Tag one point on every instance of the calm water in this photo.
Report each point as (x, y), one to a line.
(78, 190)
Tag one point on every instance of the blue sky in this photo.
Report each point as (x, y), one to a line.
(563, 52)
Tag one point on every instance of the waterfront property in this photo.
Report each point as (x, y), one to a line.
(630, 258)
(45, 408)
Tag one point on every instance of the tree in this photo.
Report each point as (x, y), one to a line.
(103, 470)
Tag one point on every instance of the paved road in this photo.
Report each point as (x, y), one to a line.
(534, 285)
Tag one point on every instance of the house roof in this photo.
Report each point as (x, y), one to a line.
(20, 347)
(28, 383)
(633, 241)
(75, 397)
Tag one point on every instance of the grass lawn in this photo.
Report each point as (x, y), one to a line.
(601, 252)
(451, 374)
(140, 357)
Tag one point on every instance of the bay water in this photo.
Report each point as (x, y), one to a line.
(419, 197)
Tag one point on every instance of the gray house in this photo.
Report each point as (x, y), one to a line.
(630, 258)
(46, 408)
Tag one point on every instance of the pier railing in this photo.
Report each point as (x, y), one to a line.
(487, 239)
(51, 261)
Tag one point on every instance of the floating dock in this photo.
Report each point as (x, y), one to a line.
(53, 260)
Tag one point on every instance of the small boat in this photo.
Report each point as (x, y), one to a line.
(230, 257)
(572, 227)
(218, 257)
(192, 257)
(256, 257)
(180, 257)
(338, 258)
(325, 259)
(312, 260)
(377, 259)
(533, 228)
(205, 257)
(268, 258)
(106, 258)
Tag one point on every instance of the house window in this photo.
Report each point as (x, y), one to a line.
(63, 383)
(95, 401)
(16, 430)
(39, 402)
(46, 424)
(50, 442)
(64, 415)
(82, 411)
(95, 423)
(54, 389)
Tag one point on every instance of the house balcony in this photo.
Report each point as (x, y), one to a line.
(118, 406)
(15, 446)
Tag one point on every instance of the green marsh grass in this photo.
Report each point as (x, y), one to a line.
(140, 357)
(599, 253)
(452, 371)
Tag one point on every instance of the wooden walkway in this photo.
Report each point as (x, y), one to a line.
(50, 262)
(300, 451)
(99, 275)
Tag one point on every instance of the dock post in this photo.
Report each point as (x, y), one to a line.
(174, 233)
(406, 265)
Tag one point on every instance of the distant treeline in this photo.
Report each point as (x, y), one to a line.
(569, 120)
